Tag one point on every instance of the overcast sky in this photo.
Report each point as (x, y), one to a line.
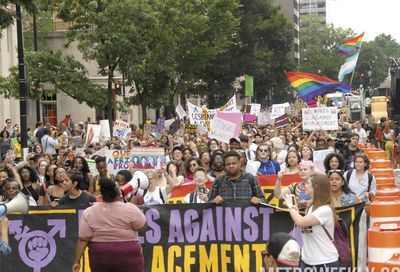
(372, 16)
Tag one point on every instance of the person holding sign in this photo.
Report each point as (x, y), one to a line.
(235, 184)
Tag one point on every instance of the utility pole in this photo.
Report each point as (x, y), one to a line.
(23, 90)
(35, 48)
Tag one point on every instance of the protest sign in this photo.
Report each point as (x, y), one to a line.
(160, 124)
(325, 118)
(135, 158)
(105, 129)
(121, 129)
(193, 237)
(180, 111)
(148, 129)
(255, 109)
(234, 117)
(281, 121)
(249, 117)
(174, 127)
(190, 129)
(168, 122)
(92, 167)
(203, 116)
(222, 130)
(93, 134)
(264, 118)
(278, 110)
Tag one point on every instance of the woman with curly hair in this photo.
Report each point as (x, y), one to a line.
(30, 184)
(80, 164)
(334, 161)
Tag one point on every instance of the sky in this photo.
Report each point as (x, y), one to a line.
(370, 16)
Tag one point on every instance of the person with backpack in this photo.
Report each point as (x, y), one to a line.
(235, 184)
(317, 226)
(360, 181)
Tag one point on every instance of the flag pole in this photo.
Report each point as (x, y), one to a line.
(352, 75)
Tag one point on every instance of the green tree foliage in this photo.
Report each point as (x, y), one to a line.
(319, 47)
(50, 72)
(7, 15)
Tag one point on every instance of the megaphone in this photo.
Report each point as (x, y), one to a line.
(18, 204)
(139, 180)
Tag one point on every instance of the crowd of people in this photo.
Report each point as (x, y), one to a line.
(333, 171)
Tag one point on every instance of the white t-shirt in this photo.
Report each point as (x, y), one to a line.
(195, 198)
(360, 187)
(362, 134)
(317, 247)
(153, 198)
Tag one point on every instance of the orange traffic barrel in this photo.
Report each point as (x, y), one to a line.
(381, 164)
(385, 181)
(392, 264)
(368, 149)
(378, 154)
(387, 190)
(385, 208)
(384, 172)
(383, 243)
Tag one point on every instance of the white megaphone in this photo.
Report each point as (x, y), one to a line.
(139, 180)
(18, 204)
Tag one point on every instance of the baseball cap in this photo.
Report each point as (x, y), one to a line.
(284, 249)
(233, 139)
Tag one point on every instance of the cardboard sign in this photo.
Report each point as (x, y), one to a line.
(222, 130)
(190, 129)
(249, 117)
(278, 110)
(325, 118)
(105, 129)
(121, 129)
(93, 134)
(282, 121)
(148, 129)
(255, 109)
(264, 118)
(180, 111)
(234, 117)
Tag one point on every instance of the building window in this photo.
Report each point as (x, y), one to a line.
(50, 113)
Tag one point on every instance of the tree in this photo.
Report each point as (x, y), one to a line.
(7, 15)
(56, 72)
(319, 47)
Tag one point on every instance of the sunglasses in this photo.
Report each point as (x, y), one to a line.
(335, 171)
(263, 150)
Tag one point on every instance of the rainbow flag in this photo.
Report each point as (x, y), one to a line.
(352, 45)
(310, 86)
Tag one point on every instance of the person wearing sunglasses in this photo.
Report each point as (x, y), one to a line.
(267, 165)
(282, 251)
(190, 165)
(342, 195)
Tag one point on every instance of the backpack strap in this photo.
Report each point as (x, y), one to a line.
(191, 197)
(161, 195)
(144, 192)
(370, 178)
(252, 184)
(349, 175)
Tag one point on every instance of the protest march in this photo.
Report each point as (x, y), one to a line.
(306, 182)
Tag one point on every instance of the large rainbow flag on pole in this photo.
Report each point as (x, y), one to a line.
(352, 45)
(310, 86)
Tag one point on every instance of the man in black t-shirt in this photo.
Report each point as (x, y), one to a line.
(75, 196)
(350, 150)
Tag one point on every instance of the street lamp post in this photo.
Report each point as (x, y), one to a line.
(23, 90)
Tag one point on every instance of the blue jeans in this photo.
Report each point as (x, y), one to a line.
(320, 267)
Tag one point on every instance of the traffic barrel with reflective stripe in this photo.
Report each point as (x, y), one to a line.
(385, 208)
(382, 172)
(381, 163)
(387, 190)
(383, 244)
(378, 154)
(385, 181)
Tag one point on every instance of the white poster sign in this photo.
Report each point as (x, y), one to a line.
(264, 118)
(180, 111)
(278, 110)
(222, 130)
(255, 109)
(93, 134)
(121, 129)
(105, 129)
(325, 118)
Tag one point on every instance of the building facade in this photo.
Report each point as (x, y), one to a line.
(315, 7)
(291, 10)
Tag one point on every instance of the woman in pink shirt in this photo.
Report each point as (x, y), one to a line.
(110, 229)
